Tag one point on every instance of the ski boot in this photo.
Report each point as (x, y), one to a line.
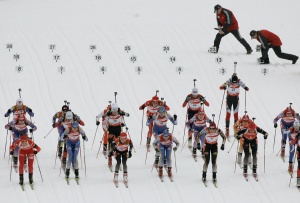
(77, 175)
(254, 167)
(194, 153)
(203, 176)
(125, 177)
(249, 51)
(239, 159)
(30, 178)
(67, 173)
(170, 171)
(21, 179)
(190, 143)
(245, 174)
(214, 177)
(116, 177)
(290, 168)
(160, 171)
(104, 149)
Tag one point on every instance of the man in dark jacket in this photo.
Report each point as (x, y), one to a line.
(227, 23)
(270, 40)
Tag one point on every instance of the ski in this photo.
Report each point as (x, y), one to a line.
(77, 180)
(110, 168)
(215, 183)
(204, 182)
(68, 181)
(195, 158)
(283, 158)
(191, 149)
(104, 154)
(246, 177)
(161, 178)
(255, 177)
(22, 187)
(171, 178)
(125, 183)
(31, 185)
(16, 169)
(116, 183)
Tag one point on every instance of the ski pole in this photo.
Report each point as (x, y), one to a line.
(48, 133)
(183, 145)
(221, 108)
(20, 92)
(39, 167)
(274, 140)
(104, 134)
(130, 139)
(80, 156)
(146, 156)
(236, 156)
(231, 145)
(115, 93)
(186, 117)
(58, 145)
(265, 156)
(6, 138)
(293, 167)
(142, 127)
(84, 158)
(95, 136)
(10, 144)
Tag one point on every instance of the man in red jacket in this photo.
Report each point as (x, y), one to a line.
(270, 40)
(227, 23)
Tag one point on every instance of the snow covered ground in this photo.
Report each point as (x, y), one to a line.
(146, 26)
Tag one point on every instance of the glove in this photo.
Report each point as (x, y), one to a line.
(175, 149)
(275, 125)
(122, 113)
(127, 114)
(142, 107)
(265, 136)
(246, 88)
(35, 151)
(53, 125)
(175, 117)
(11, 152)
(122, 124)
(76, 118)
(65, 136)
(238, 137)
(7, 113)
(109, 113)
(97, 122)
(222, 147)
(110, 154)
(84, 137)
(223, 87)
(30, 130)
(157, 150)
(29, 110)
(10, 128)
(150, 117)
(129, 154)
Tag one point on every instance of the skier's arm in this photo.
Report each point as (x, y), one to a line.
(228, 15)
(29, 111)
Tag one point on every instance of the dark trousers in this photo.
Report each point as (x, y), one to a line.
(236, 34)
(278, 52)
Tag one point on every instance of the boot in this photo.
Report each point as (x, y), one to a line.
(190, 142)
(203, 176)
(239, 159)
(30, 178)
(160, 171)
(295, 60)
(125, 177)
(67, 173)
(290, 169)
(104, 149)
(245, 171)
(170, 171)
(77, 174)
(249, 51)
(109, 161)
(214, 176)
(227, 132)
(254, 167)
(194, 152)
(21, 179)
(116, 176)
